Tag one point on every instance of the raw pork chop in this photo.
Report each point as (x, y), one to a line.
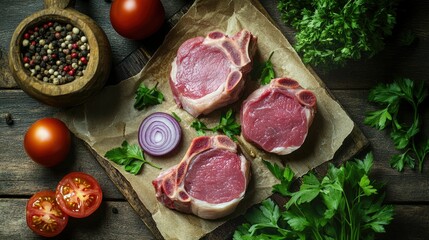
(210, 180)
(209, 73)
(276, 117)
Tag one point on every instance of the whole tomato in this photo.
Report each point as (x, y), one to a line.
(137, 19)
(47, 141)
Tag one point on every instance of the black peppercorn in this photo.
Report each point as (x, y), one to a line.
(53, 52)
(8, 118)
(115, 210)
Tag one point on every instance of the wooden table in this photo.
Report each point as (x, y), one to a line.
(20, 177)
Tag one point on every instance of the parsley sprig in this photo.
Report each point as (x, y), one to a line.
(227, 125)
(264, 72)
(131, 156)
(147, 97)
(405, 136)
(344, 204)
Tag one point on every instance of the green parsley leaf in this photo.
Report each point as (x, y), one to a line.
(200, 127)
(399, 161)
(266, 216)
(376, 215)
(134, 167)
(285, 175)
(404, 135)
(146, 97)
(330, 33)
(263, 71)
(131, 156)
(368, 189)
(366, 163)
(296, 221)
(227, 125)
(267, 71)
(378, 119)
(343, 205)
(309, 190)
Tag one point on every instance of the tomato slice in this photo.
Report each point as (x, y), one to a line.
(44, 216)
(79, 194)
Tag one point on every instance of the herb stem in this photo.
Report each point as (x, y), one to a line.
(316, 233)
(153, 165)
(348, 218)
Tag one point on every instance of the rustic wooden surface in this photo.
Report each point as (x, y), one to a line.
(20, 177)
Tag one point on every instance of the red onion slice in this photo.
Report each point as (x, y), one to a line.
(159, 134)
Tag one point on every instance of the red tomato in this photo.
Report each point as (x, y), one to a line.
(44, 216)
(47, 141)
(136, 19)
(79, 194)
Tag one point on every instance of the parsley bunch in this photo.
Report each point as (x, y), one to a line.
(332, 32)
(344, 204)
(227, 125)
(405, 136)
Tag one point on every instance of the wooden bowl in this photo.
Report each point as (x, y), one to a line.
(80, 89)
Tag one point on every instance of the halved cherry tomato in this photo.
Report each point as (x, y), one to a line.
(44, 216)
(79, 194)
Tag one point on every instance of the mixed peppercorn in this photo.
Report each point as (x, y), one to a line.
(55, 52)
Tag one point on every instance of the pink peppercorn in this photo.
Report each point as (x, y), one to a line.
(71, 72)
(84, 60)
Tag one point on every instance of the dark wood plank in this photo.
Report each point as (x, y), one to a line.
(117, 220)
(113, 220)
(19, 175)
(409, 186)
(410, 222)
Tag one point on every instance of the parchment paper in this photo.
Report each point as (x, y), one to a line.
(109, 118)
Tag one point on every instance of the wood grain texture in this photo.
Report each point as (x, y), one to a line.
(410, 223)
(113, 220)
(20, 177)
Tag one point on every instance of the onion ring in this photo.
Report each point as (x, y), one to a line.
(159, 134)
